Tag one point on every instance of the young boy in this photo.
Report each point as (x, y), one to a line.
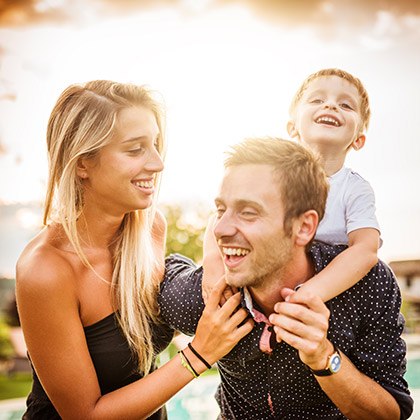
(330, 113)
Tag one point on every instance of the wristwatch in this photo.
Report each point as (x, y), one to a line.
(333, 365)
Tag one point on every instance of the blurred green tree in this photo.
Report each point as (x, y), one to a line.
(186, 227)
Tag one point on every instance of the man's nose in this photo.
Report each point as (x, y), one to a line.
(225, 226)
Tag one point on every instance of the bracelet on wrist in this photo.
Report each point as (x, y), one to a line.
(186, 363)
(208, 365)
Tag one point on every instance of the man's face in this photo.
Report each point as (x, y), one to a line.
(249, 227)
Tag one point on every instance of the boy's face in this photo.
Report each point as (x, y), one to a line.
(328, 116)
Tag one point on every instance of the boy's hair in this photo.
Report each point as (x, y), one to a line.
(363, 95)
(300, 176)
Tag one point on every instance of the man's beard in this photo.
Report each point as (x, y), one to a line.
(270, 264)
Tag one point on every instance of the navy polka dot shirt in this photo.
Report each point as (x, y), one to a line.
(365, 324)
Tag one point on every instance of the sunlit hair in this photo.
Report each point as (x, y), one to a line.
(363, 96)
(81, 123)
(302, 181)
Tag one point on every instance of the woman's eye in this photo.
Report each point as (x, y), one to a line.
(136, 151)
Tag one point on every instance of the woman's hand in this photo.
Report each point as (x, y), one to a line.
(219, 328)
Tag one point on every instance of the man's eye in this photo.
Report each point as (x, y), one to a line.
(247, 213)
(220, 211)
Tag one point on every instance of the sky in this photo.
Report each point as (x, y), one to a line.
(227, 70)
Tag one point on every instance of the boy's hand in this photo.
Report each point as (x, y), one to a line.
(213, 265)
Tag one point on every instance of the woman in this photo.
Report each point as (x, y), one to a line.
(87, 284)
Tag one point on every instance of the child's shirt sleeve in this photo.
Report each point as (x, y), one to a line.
(360, 204)
(350, 206)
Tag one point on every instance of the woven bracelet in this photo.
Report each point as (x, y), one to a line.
(208, 366)
(186, 363)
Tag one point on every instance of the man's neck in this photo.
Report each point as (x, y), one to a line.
(269, 293)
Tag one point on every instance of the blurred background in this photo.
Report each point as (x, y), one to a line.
(227, 70)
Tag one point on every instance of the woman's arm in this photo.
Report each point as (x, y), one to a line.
(49, 312)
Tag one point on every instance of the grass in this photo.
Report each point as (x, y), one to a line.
(15, 386)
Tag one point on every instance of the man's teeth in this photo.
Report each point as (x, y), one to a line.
(328, 120)
(144, 184)
(235, 251)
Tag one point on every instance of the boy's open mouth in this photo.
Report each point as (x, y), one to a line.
(328, 120)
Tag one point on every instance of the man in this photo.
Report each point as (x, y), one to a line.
(303, 359)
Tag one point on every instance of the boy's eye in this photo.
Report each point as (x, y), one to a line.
(346, 106)
(316, 101)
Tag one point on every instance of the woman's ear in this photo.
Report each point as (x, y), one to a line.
(292, 130)
(82, 169)
(305, 227)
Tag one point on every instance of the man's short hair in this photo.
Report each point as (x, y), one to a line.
(302, 181)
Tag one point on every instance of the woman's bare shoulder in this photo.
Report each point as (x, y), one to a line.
(42, 263)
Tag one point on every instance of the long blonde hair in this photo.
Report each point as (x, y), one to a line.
(81, 123)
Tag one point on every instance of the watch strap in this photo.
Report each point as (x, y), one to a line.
(327, 371)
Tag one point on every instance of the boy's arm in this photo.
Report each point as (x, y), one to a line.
(213, 267)
(348, 267)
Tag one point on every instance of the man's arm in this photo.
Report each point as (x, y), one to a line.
(180, 300)
(303, 323)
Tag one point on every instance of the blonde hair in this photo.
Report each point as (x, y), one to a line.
(363, 95)
(81, 123)
(302, 181)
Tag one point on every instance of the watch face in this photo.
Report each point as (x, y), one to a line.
(335, 363)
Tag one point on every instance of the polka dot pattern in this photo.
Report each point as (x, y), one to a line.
(365, 324)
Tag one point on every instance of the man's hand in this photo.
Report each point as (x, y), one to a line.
(302, 321)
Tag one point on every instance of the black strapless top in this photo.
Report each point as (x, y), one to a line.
(114, 363)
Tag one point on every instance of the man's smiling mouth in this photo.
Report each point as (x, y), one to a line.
(233, 255)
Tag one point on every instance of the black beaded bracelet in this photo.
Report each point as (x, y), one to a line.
(208, 366)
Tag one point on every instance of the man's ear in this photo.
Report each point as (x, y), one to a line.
(305, 227)
(359, 142)
(291, 129)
